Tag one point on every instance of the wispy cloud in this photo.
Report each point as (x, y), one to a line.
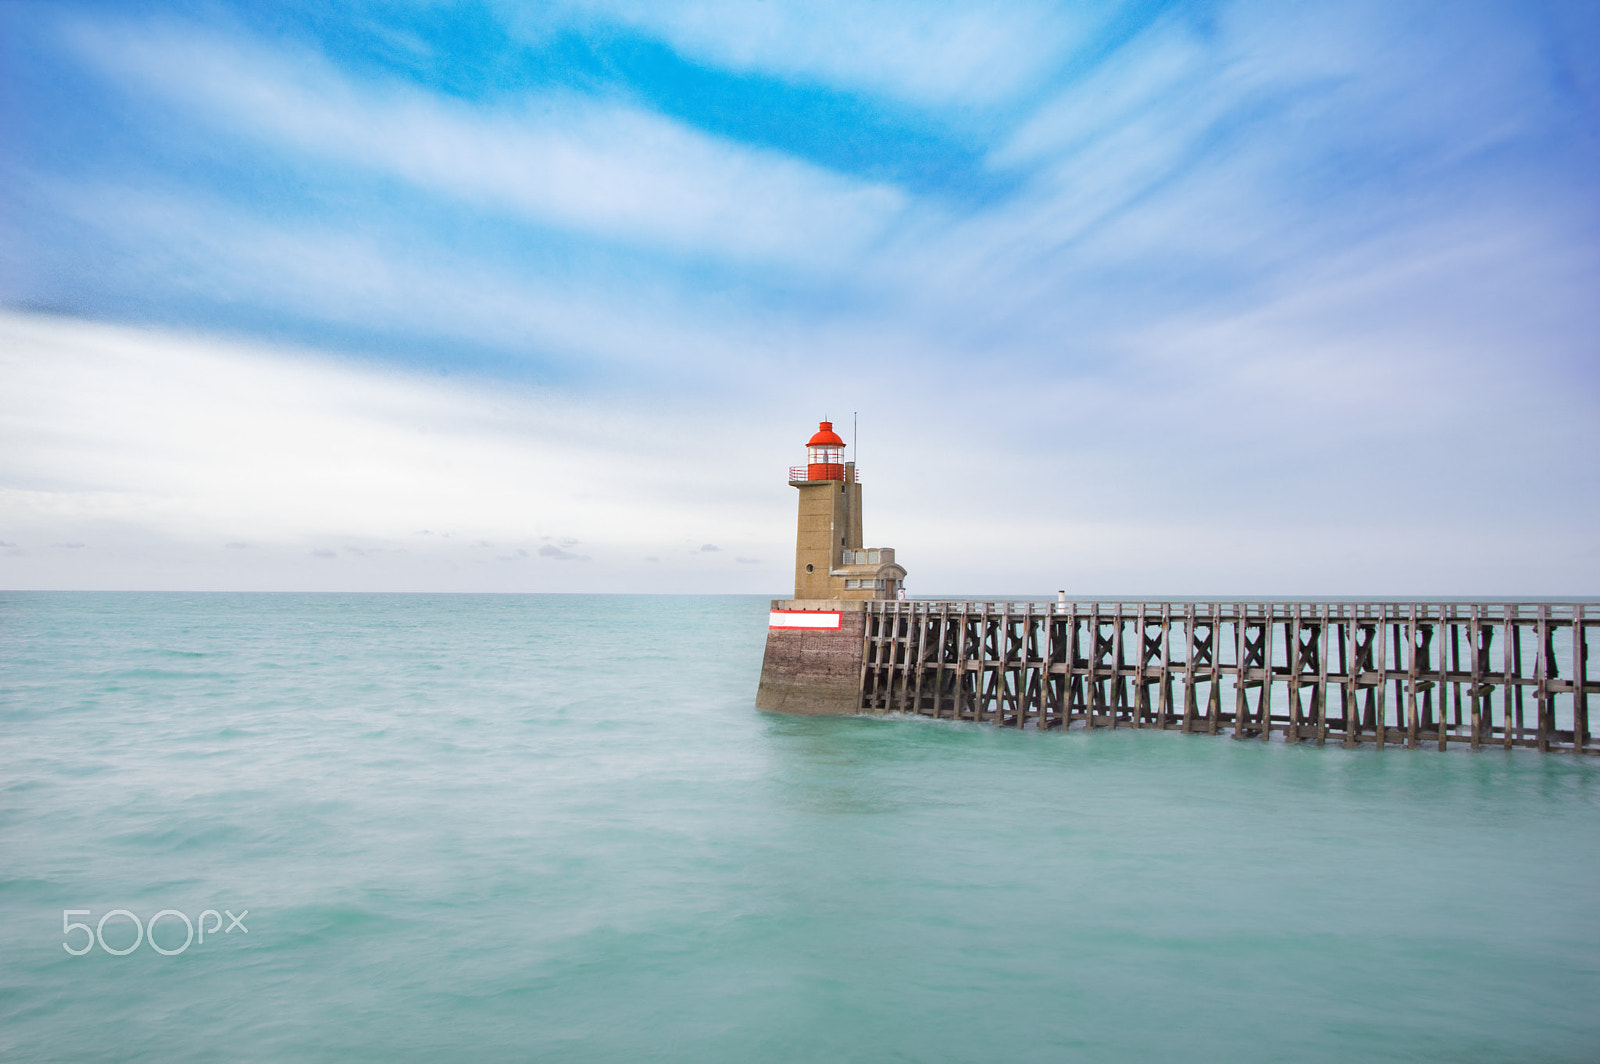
(600, 167)
(337, 276)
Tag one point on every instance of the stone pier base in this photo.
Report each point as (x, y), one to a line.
(814, 670)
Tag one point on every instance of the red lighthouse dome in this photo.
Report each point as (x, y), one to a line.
(825, 436)
(825, 454)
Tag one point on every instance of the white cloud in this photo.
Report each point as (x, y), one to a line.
(605, 169)
(159, 454)
(344, 276)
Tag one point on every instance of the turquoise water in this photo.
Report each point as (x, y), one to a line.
(552, 828)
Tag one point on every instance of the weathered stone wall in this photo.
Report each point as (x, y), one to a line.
(813, 670)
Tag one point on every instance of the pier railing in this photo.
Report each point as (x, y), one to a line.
(1387, 673)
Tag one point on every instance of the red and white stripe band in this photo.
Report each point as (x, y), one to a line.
(804, 619)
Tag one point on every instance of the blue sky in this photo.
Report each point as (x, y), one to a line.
(1144, 298)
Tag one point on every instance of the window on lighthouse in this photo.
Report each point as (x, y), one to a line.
(825, 455)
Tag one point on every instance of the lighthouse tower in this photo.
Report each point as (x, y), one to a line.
(814, 640)
(830, 561)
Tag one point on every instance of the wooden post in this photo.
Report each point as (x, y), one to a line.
(1071, 653)
(1521, 719)
(1402, 669)
(1294, 650)
(1022, 665)
(1511, 659)
(1449, 662)
(1092, 692)
(1580, 682)
(1119, 687)
(1239, 658)
(1141, 693)
(1358, 665)
(862, 696)
(1214, 694)
(961, 666)
(1264, 702)
(1045, 648)
(1542, 669)
(1381, 635)
(1190, 708)
(1413, 641)
(1320, 707)
(1165, 709)
(1475, 633)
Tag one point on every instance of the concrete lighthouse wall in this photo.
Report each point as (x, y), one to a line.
(812, 666)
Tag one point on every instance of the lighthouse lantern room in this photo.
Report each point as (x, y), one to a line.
(825, 454)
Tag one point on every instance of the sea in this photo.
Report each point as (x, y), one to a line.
(327, 827)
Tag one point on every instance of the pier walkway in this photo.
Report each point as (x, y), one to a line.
(1387, 673)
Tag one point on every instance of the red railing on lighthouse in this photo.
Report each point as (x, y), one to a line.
(800, 474)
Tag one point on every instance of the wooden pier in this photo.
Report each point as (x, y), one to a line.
(1385, 673)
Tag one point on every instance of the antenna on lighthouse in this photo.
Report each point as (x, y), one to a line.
(855, 435)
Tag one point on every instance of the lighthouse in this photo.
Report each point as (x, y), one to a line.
(830, 559)
(813, 658)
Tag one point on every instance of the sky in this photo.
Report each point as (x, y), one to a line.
(1136, 299)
